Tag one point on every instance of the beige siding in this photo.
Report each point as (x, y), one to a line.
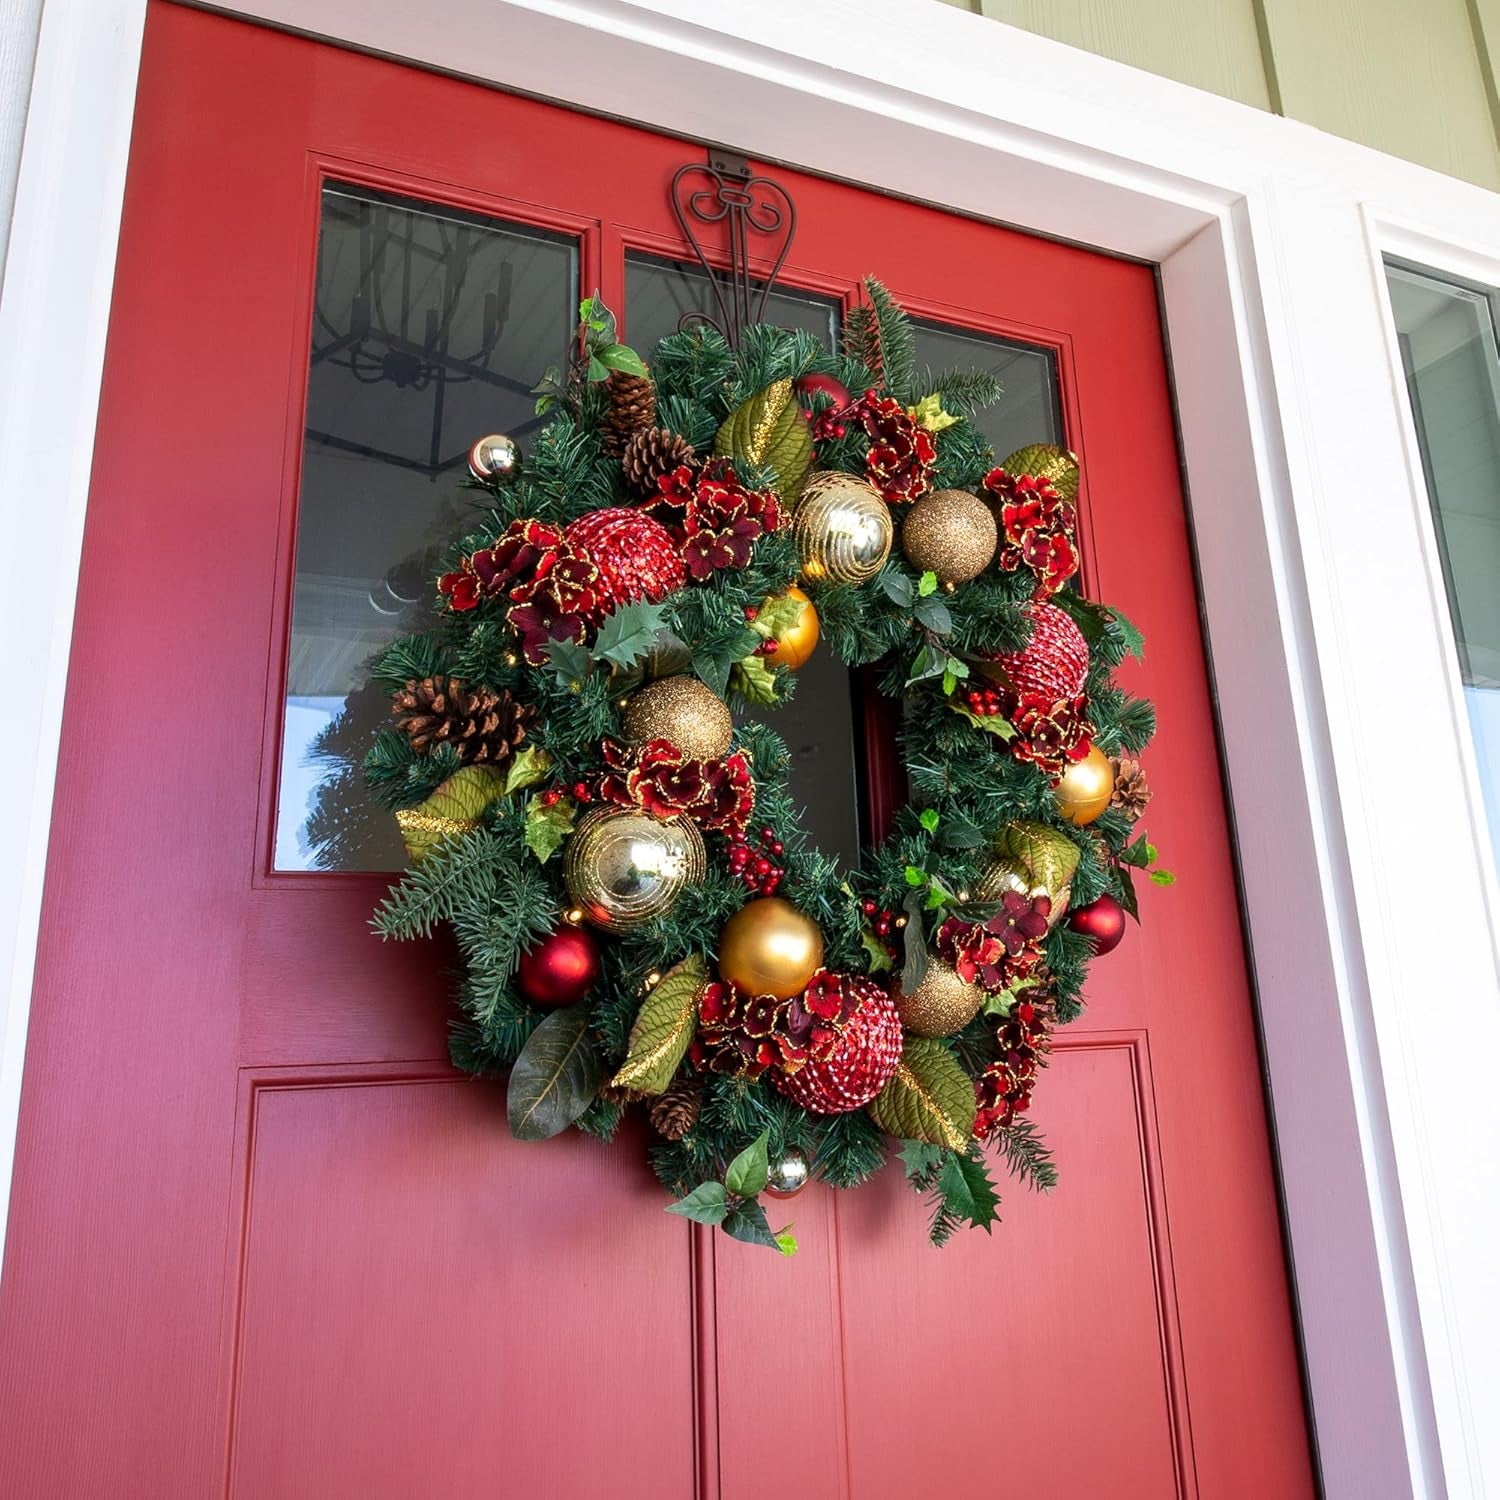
(1415, 78)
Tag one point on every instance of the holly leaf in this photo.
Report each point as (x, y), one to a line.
(706, 1204)
(627, 634)
(920, 1159)
(879, 954)
(622, 357)
(663, 1029)
(570, 662)
(747, 1221)
(967, 1191)
(556, 1077)
(898, 588)
(779, 614)
(933, 613)
(526, 768)
(930, 1097)
(547, 828)
(750, 1170)
(929, 819)
(993, 724)
(754, 681)
(929, 413)
(914, 943)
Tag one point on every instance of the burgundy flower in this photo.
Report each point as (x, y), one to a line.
(1004, 1089)
(718, 795)
(1050, 735)
(902, 452)
(746, 1034)
(1037, 528)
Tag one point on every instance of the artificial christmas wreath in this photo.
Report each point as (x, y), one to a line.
(639, 915)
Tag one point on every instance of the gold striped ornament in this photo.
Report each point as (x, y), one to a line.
(843, 529)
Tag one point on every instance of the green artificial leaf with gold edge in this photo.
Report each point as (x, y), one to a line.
(779, 614)
(770, 429)
(663, 1029)
(526, 769)
(1045, 461)
(1050, 857)
(930, 1097)
(556, 1077)
(754, 681)
(547, 828)
(453, 809)
(990, 723)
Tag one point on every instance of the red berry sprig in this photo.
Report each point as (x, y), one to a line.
(883, 923)
(757, 866)
(984, 700)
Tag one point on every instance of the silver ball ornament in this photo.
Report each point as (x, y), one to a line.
(789, 1175)
(494, 456)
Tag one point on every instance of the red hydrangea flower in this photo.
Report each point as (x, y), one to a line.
(1007, 947)
(1049, 735)
(746, 1034)
(1037, 528)
(714, 518)
(902, 452)
(716, 794)
(1004, 1089)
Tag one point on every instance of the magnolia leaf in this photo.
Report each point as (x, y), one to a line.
(751, 1169)
(556, 1077)
(1048, 856)
(747, 1221)
(771, 430)
(929, 413)
(452, 809)
(754, 681)
(930, 1098)
(993, 724)
(914, 941)
(1044, 461)
(880, 955)
(547, 828)
(706, 1204)
(663, 1029)
(628, 634)
(570, 662)
(622, 357)
(779, 614)
(960, 833)
(967, 1191)
(527, 767)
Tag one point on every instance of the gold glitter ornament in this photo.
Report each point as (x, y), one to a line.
(942, 1004)
(623, 867)
(951, 533)
(684, 712)
(843, 529)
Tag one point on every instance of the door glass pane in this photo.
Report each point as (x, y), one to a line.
(429, 328)
(1452, 363)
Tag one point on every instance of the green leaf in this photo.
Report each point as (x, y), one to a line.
(1046, 853)
(959, 833)
(967, 1191)
(747, 1221)
(628, 633)
(452, 809)
(1127, 892)
(527, 767)
(754, 681)
(1163, 877)
(570, 662)
(779, 614)
(663, 1029)
(712, 673)
(993, 724)
(556, 1077)
(927, 584)
(914, 876)
(930, 1098)
(1140, 854)
(786, 1241)
(898, 588)
(597, 368)
(749, 1171)
(920, 1159)
(1135, 642)
(929, 819)
(950, 681)
(547, 828)
(706, 1204)
(880, 956)
(934, 614)
(914, 944)
(622, 357)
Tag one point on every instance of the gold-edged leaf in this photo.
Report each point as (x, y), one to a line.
(770, 429)
(453, 809)
(663, 1029)
(1044, 461)
(1049, 856)
(929, 1098)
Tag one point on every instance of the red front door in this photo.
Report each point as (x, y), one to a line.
(264, 1241)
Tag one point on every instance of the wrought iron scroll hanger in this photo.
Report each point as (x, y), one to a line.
(751, 208)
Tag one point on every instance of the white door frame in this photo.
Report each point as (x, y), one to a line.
(1373, 929)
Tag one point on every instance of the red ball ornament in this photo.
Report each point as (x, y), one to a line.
(1053, 663)
(1102, 920)
(808, 386)
(561, 969)
(862, 1060)
(635, 554)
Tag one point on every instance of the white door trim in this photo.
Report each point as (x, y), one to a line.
(1377, 985)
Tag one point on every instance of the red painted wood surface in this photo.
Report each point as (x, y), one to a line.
(264, 1243)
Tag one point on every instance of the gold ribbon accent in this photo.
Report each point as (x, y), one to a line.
(413, 820)
(776, 398)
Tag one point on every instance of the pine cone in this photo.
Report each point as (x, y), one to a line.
(1131, 794)
(484, 727)
(650, 453)
(632, 406)
(674, 1112)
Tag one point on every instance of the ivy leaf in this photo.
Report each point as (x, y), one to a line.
(527, 767)
(1163, 877)
(898, 588)
(747, 1221)
(622, 357)
(929, 819)
(915, 877)
(598, 370)
(993, 724)
(950, 681)
(927, 584)
(570, 662)
(663, 1029)
(914, 940)
(754, 681)
(1140, 854)
(934, 614)
(556, 1077)
(880, 955)
(920, 1159)
(749, 1171)
(967, 1191)
(547, 828)
(627, 634)
(930, 1097)
(706, 1204)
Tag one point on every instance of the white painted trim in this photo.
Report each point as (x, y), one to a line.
(1314, 541)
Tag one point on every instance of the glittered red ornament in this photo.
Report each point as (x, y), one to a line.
(561, 969)
(635, 554)
(1054, 661)
(860, 1063)
(1102, 920)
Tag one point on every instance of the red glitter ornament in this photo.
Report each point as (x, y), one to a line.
(561, 969)
(635, 554)
(1055, 660)
(860, 1063)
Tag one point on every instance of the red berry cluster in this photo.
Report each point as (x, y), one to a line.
(984, 700)
(883, 922)
(770, 645)
(757, 867)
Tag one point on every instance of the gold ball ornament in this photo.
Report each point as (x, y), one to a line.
(951, 533)
(683, 711)
(494, 456)
(797, 641)
(623, 867)
(942, 1004)
(1000, 874)
(843, 529)
(768, 947)
(1085, 788)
